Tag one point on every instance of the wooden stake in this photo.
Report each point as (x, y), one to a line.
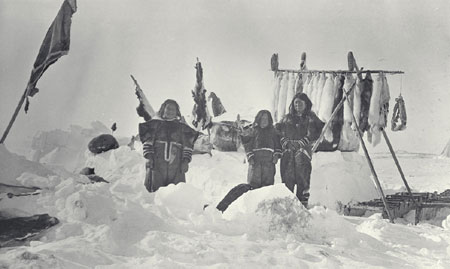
(372, 168)
(363, 144)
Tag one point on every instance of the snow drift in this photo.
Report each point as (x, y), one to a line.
(120, 225)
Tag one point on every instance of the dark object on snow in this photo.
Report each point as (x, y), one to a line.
(17, 190)
(18, 231)
(114, 127)
(90, 173)
(103, 143)
(11, 195)
(96, 179)
(232, 195)
(87, 171)
(217, 106)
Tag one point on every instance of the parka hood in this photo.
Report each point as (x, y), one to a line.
(163, 106)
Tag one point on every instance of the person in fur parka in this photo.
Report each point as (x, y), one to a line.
(263, 149)
(167, 146)
(298, 130)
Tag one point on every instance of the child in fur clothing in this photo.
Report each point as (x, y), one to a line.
(263, 149)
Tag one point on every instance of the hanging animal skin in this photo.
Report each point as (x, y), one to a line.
(306, 85)
(282, 96)
(357, 103)
(319, 91)
(349, 140)
(384, 102)
(374, 110)
(306, 81)
(366, 86)
(276, 92)
(299, 84)
(348, 118)
(326, 104)
(398, 122)
(291, 90)
(314, 89)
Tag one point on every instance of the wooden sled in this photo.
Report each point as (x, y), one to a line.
(401, 204)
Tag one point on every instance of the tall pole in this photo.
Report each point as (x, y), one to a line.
(397, 163)
(350, 57)
(11, 122)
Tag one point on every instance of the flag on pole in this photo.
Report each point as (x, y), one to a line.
(56, 44)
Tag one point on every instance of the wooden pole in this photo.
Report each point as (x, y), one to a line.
(402, 175)
(11, 122)
(363, 144)
(391, 149)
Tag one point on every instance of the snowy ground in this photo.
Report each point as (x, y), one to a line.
(121, 225)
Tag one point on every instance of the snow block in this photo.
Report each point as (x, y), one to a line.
(249, 201)
(339, 178)
(180, 200)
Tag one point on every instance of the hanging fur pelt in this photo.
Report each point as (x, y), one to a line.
(398, 122)
(200, 111)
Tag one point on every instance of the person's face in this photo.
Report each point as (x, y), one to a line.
(170, 112)
(264, 120)
(299, 105)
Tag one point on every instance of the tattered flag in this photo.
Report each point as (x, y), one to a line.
(56, 44)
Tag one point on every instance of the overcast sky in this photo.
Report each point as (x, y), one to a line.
(158, 42)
